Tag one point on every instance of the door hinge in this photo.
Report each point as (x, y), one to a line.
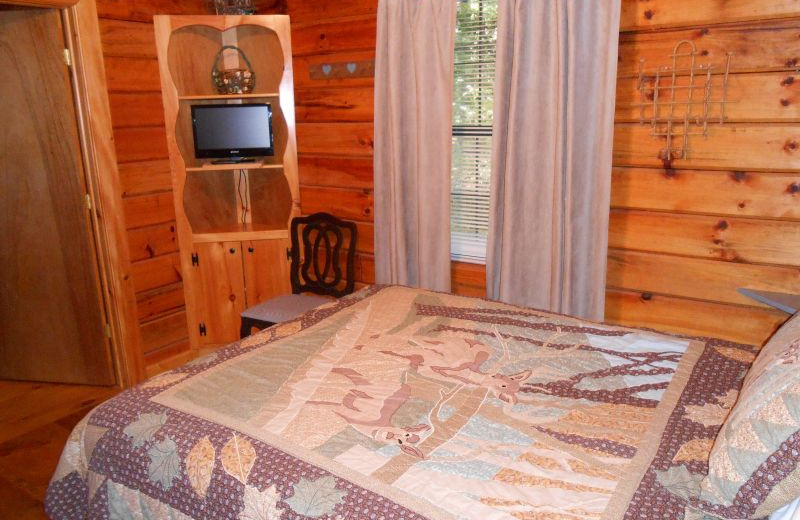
(88, 202)
(67, 58)
(195, 259)
(107, 329)
(202, 329)
(288, 254)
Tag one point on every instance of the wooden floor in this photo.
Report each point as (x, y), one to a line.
(35, 421)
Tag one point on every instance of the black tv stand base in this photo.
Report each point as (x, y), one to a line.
(234, 160)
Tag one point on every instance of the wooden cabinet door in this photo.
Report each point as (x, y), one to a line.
(52, 318)
(217, 290)
(266, 269)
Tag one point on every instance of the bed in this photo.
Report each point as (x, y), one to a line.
(397, 403)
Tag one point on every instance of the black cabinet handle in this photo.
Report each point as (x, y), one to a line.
(233, 250)
(250, 250)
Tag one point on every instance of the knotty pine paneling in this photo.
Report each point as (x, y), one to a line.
(336, 172)
(686, 234)
(127, 39)
(143, 10)
(753, 98)
(160, 300)
(760, 46)
(163, 331)
(651, 14)
(345, 203)
(734, 146)
(157, 272)
(335, 114)
(334, 104)
(139, 178)
(343, 139)
(150, 241)
(726, 192)
(146, 210)
(125, 74)
(319, 37)
(744, 240)
(137, 117)
(742, 324)
(311, 10)
(136, 109)
(697, 278)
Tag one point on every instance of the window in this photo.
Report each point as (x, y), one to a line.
(476, 37)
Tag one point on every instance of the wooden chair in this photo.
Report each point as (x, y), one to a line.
(318, 271)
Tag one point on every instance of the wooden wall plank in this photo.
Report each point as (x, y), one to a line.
(366, 237)
(132, 75)
(341, 172)
(334, 104)
(337, 139)
(350, 34)
(652, 14)
(143, 10)
(145, 177)
(697, 278)
(733, 239)
(305, 10)
(136, 109)
(742, 146)
(365, 268)
(736, 193)
(140, 143)
(748, 325)
(164, 330)
(156, 272)
(146, 210)
(150, 241)
(344, 203)
(768, 97)
(303, 65)
(160, 300)
(169, 356)
(468, 279)
(756, 47)
(126, 38)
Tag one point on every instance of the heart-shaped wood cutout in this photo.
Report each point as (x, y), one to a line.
(326, 69)
(351, 67)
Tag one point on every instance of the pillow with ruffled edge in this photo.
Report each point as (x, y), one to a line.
(754, 466)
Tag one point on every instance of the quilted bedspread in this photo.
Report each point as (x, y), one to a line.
(396, 403)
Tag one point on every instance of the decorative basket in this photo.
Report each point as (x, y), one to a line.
(233, 81)
(231, 6)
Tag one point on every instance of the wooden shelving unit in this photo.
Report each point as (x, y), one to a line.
(232, 219)
(227, 96)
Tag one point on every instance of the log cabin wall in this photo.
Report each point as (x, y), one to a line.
(334, 52)
(140, 139)
(684, 236)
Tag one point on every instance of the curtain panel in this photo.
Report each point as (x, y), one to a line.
(413, 96)
(551, 166)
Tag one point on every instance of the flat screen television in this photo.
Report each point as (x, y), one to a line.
(234, 133)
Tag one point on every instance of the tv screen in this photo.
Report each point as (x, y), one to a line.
(232, 131)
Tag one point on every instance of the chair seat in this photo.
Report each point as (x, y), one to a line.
(284, 308)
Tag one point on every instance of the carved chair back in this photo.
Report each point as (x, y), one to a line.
(319, 243)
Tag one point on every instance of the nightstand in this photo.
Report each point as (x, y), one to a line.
(786, 302)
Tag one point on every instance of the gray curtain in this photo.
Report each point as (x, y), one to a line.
(413, 96)
(551, 166)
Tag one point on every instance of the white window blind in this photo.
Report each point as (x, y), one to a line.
(476, 37)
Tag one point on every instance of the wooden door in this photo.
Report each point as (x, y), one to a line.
(52, 321)
(266, 269)
(217, 290)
